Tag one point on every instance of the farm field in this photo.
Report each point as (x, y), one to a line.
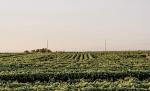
(75, 71)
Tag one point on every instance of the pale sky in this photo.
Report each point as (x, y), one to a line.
(74, 25)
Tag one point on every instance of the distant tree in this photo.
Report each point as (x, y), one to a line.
(49, 50)
(26, 51)
(33, 51)
(43, 50)
(37, 50)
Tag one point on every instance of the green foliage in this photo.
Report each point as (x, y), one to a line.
(43, 50)
(26, 51)
(45, 70)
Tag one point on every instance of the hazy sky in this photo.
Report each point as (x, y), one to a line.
(74, 24)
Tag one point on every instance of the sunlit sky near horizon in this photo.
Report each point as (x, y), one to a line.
(74, 25)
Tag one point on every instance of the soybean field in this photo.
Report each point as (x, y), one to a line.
(75, 71)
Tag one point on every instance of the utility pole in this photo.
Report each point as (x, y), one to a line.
(105, 45)
(47, 44)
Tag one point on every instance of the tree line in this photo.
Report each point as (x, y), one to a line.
(43, 50)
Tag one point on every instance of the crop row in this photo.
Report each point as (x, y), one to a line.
(74, 76)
